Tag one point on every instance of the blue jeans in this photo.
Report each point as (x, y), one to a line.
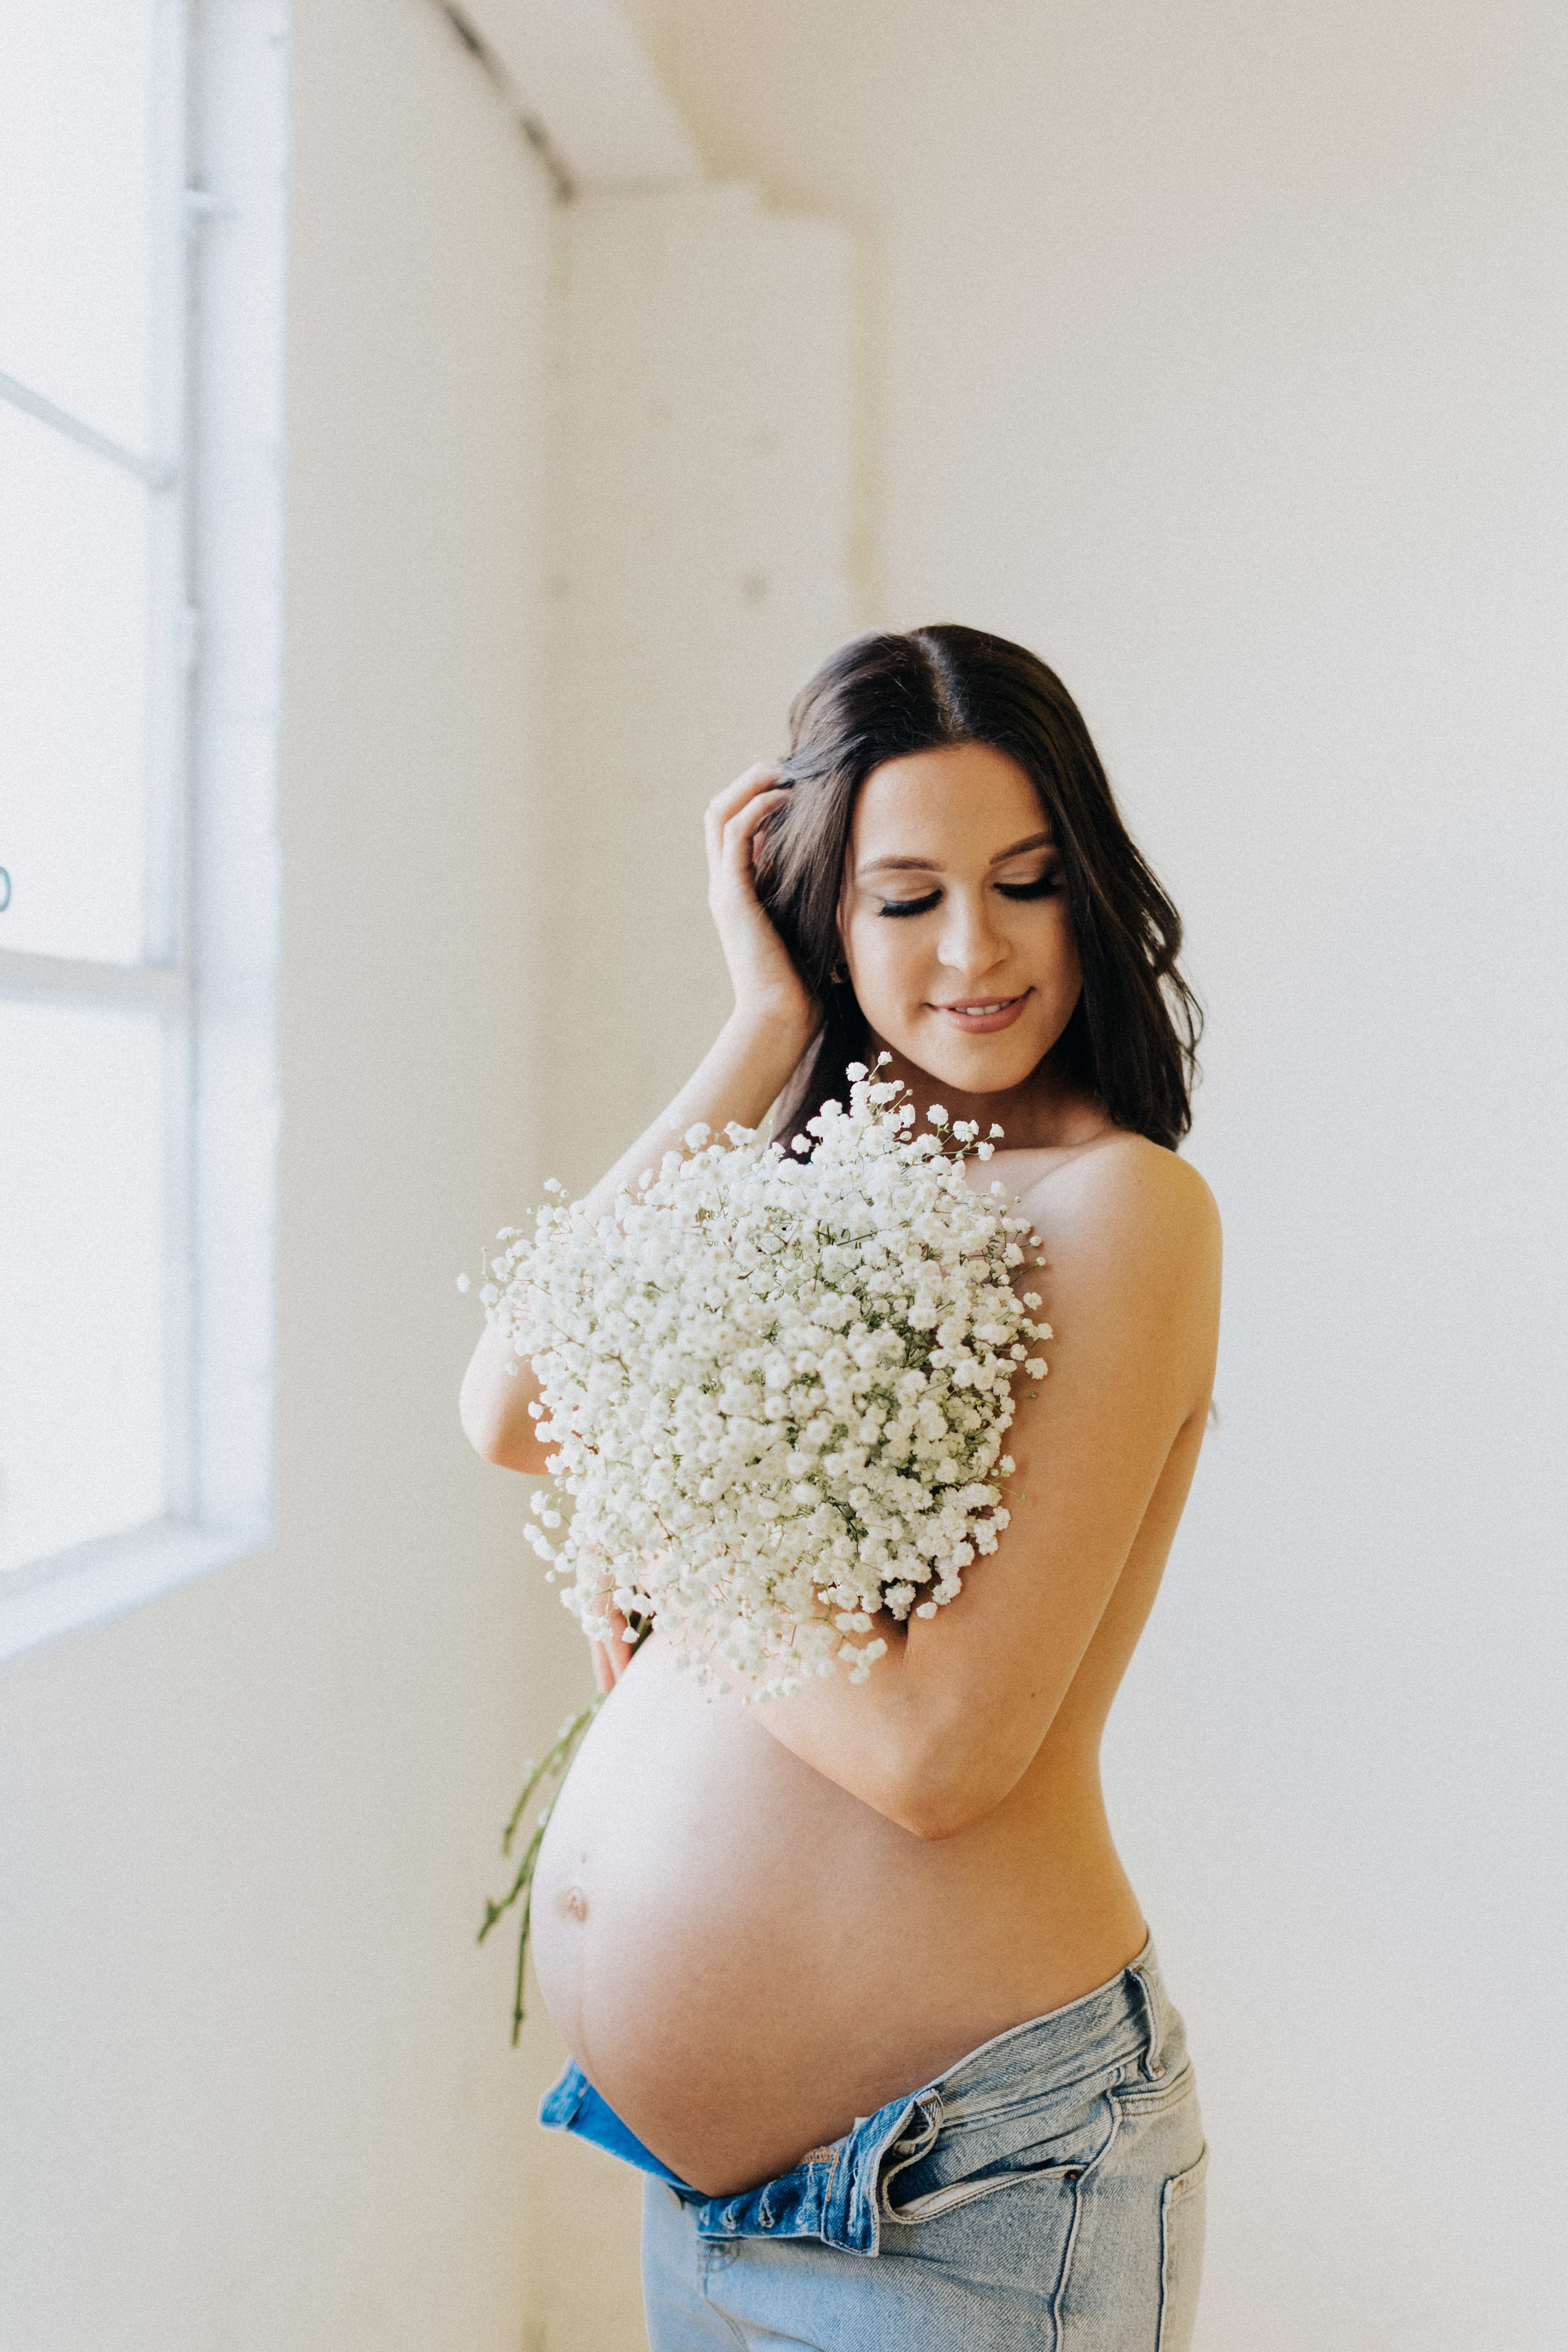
(1046, 2191)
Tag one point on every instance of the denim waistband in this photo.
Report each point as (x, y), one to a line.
(836, 2192)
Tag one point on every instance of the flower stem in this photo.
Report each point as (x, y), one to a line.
(554, 1765)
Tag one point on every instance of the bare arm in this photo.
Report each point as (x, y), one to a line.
(743, 1073)
(951, 1717)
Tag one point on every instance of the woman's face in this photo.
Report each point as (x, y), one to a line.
(954, 917)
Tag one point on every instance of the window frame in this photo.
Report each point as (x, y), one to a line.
(210, 968)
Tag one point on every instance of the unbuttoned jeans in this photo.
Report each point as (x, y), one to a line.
(1046, 2191)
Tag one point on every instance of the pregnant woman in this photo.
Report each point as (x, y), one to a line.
(856, 1976)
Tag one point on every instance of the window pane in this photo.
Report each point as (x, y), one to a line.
(81, 1272)
(75, 667)
(76, 208)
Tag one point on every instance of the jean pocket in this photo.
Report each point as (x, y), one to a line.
(940, 2166)
(1182, 2209)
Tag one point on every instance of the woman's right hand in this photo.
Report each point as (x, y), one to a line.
(768, 988)
(611, 1658)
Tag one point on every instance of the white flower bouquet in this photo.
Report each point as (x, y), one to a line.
(778, 1387)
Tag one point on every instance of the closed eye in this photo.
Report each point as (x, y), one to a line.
(1046, 886)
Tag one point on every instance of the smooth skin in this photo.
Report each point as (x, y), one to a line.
(754, 1923)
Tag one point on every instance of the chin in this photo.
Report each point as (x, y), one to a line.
(978, 1065)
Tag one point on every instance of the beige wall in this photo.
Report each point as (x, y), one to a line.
(255, 2085)
(1219, 354)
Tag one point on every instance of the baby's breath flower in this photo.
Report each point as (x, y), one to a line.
(778, 1385)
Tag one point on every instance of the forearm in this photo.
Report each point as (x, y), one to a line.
(896, 1741)
(744, 1070)
(747, 1066)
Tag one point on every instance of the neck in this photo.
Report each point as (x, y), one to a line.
(1051, 1111)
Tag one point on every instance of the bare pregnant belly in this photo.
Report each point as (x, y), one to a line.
(743, 1957)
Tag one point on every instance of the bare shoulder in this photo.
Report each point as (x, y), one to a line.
(1129, 1199)
(1128, 1275)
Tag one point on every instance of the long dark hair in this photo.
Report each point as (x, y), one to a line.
(1133, 1035)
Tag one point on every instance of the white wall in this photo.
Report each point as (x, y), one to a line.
(704, 494)
(256, 2088)
(1218, 353)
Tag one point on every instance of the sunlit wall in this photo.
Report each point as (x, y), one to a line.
(254, 2082)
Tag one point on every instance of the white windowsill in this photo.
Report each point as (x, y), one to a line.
(95, 1582)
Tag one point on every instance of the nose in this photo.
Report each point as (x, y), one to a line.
(970, 944)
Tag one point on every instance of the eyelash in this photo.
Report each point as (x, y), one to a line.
(1047, 886)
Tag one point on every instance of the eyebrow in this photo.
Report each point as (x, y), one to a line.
(929, 866)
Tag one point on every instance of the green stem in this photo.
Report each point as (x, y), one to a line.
(553, 1760)
(554, 1765)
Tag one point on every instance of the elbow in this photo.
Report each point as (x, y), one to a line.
(931, 1822)
(936, 1799)
(478, 1426)
(939, 1814)
(495, 1443)
(489, 1433)
(489, 1443)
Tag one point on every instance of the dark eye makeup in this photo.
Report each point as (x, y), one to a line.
(1046, 886)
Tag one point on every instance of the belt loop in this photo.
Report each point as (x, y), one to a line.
(1151, 2065)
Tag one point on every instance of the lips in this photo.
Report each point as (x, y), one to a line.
(980, 1016)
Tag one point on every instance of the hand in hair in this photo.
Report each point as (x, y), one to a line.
(768, 988)
(749, 1063)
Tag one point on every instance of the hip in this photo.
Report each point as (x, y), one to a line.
(1047, 2190)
